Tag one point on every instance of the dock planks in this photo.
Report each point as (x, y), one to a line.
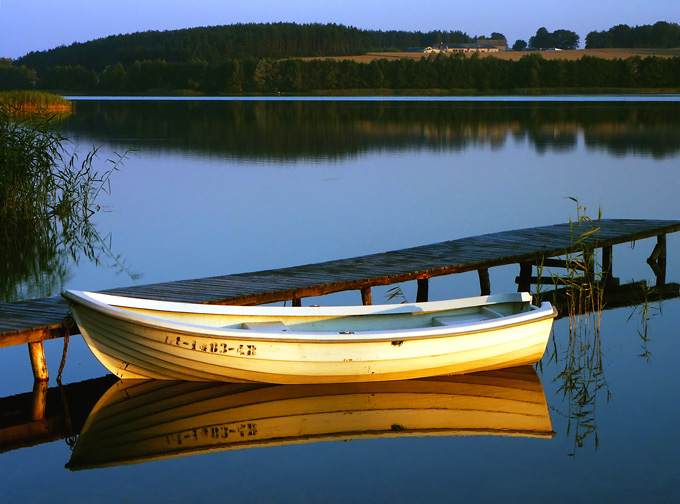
(37, 320)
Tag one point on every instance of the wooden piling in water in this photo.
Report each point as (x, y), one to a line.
(36, 351)
(484, 282)
(423, 292)
(366, 297)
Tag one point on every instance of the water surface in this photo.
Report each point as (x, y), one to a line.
(216, 187)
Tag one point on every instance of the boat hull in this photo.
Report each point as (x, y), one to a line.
(134, 345)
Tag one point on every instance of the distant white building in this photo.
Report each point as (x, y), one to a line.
(483, 47)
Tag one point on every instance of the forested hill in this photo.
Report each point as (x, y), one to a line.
(267, 59)
(218, 44)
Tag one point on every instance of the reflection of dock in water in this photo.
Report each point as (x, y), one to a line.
(143, 420)
(48, 414)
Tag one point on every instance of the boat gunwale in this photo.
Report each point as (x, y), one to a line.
(536, 314)
(297, 311)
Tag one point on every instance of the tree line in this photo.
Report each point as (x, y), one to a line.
(659, 35)
(218, 44)
(439, 72)
(265, 58)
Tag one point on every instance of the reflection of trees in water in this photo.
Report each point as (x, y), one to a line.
(657, 141)
(292, 130)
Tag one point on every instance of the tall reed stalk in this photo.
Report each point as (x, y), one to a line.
(579, 289)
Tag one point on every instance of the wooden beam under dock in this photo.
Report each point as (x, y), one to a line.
(32, 321)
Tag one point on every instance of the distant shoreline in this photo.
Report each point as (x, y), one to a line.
(516, 94)
(585, 72)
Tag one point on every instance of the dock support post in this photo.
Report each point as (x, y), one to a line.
(423, 290)
(484, 282)
(589, 263)
(366, 296)
(296, 302)
(524, 283)
(657, 260)
(36, 352)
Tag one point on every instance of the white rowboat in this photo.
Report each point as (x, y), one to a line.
(140, 338)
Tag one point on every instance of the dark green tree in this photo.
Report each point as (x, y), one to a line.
(71, 78)
(561, 39)
(113, 79)
(374, 76)
(291, 76)
(236, 81)
(15, 77)
(526, 73)
(565, 39)
(264, 76)
(519, 45)
(542, 39)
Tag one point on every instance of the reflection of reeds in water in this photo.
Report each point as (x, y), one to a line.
(143, 420)
(643, 308)
(47, 196)
(34, 259)
(580, 289)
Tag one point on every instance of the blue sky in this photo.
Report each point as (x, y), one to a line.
(35, 25)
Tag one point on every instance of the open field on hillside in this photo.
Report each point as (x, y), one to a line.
(515, 55)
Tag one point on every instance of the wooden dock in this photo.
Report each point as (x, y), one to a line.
(31, 322)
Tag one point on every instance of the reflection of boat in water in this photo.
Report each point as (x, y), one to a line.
(143, 420)
(141, 338)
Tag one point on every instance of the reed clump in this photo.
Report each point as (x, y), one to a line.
(578, 289)
(47, 197)
(33, 102)
(39, 178)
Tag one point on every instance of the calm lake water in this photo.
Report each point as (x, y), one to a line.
(211, 187)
